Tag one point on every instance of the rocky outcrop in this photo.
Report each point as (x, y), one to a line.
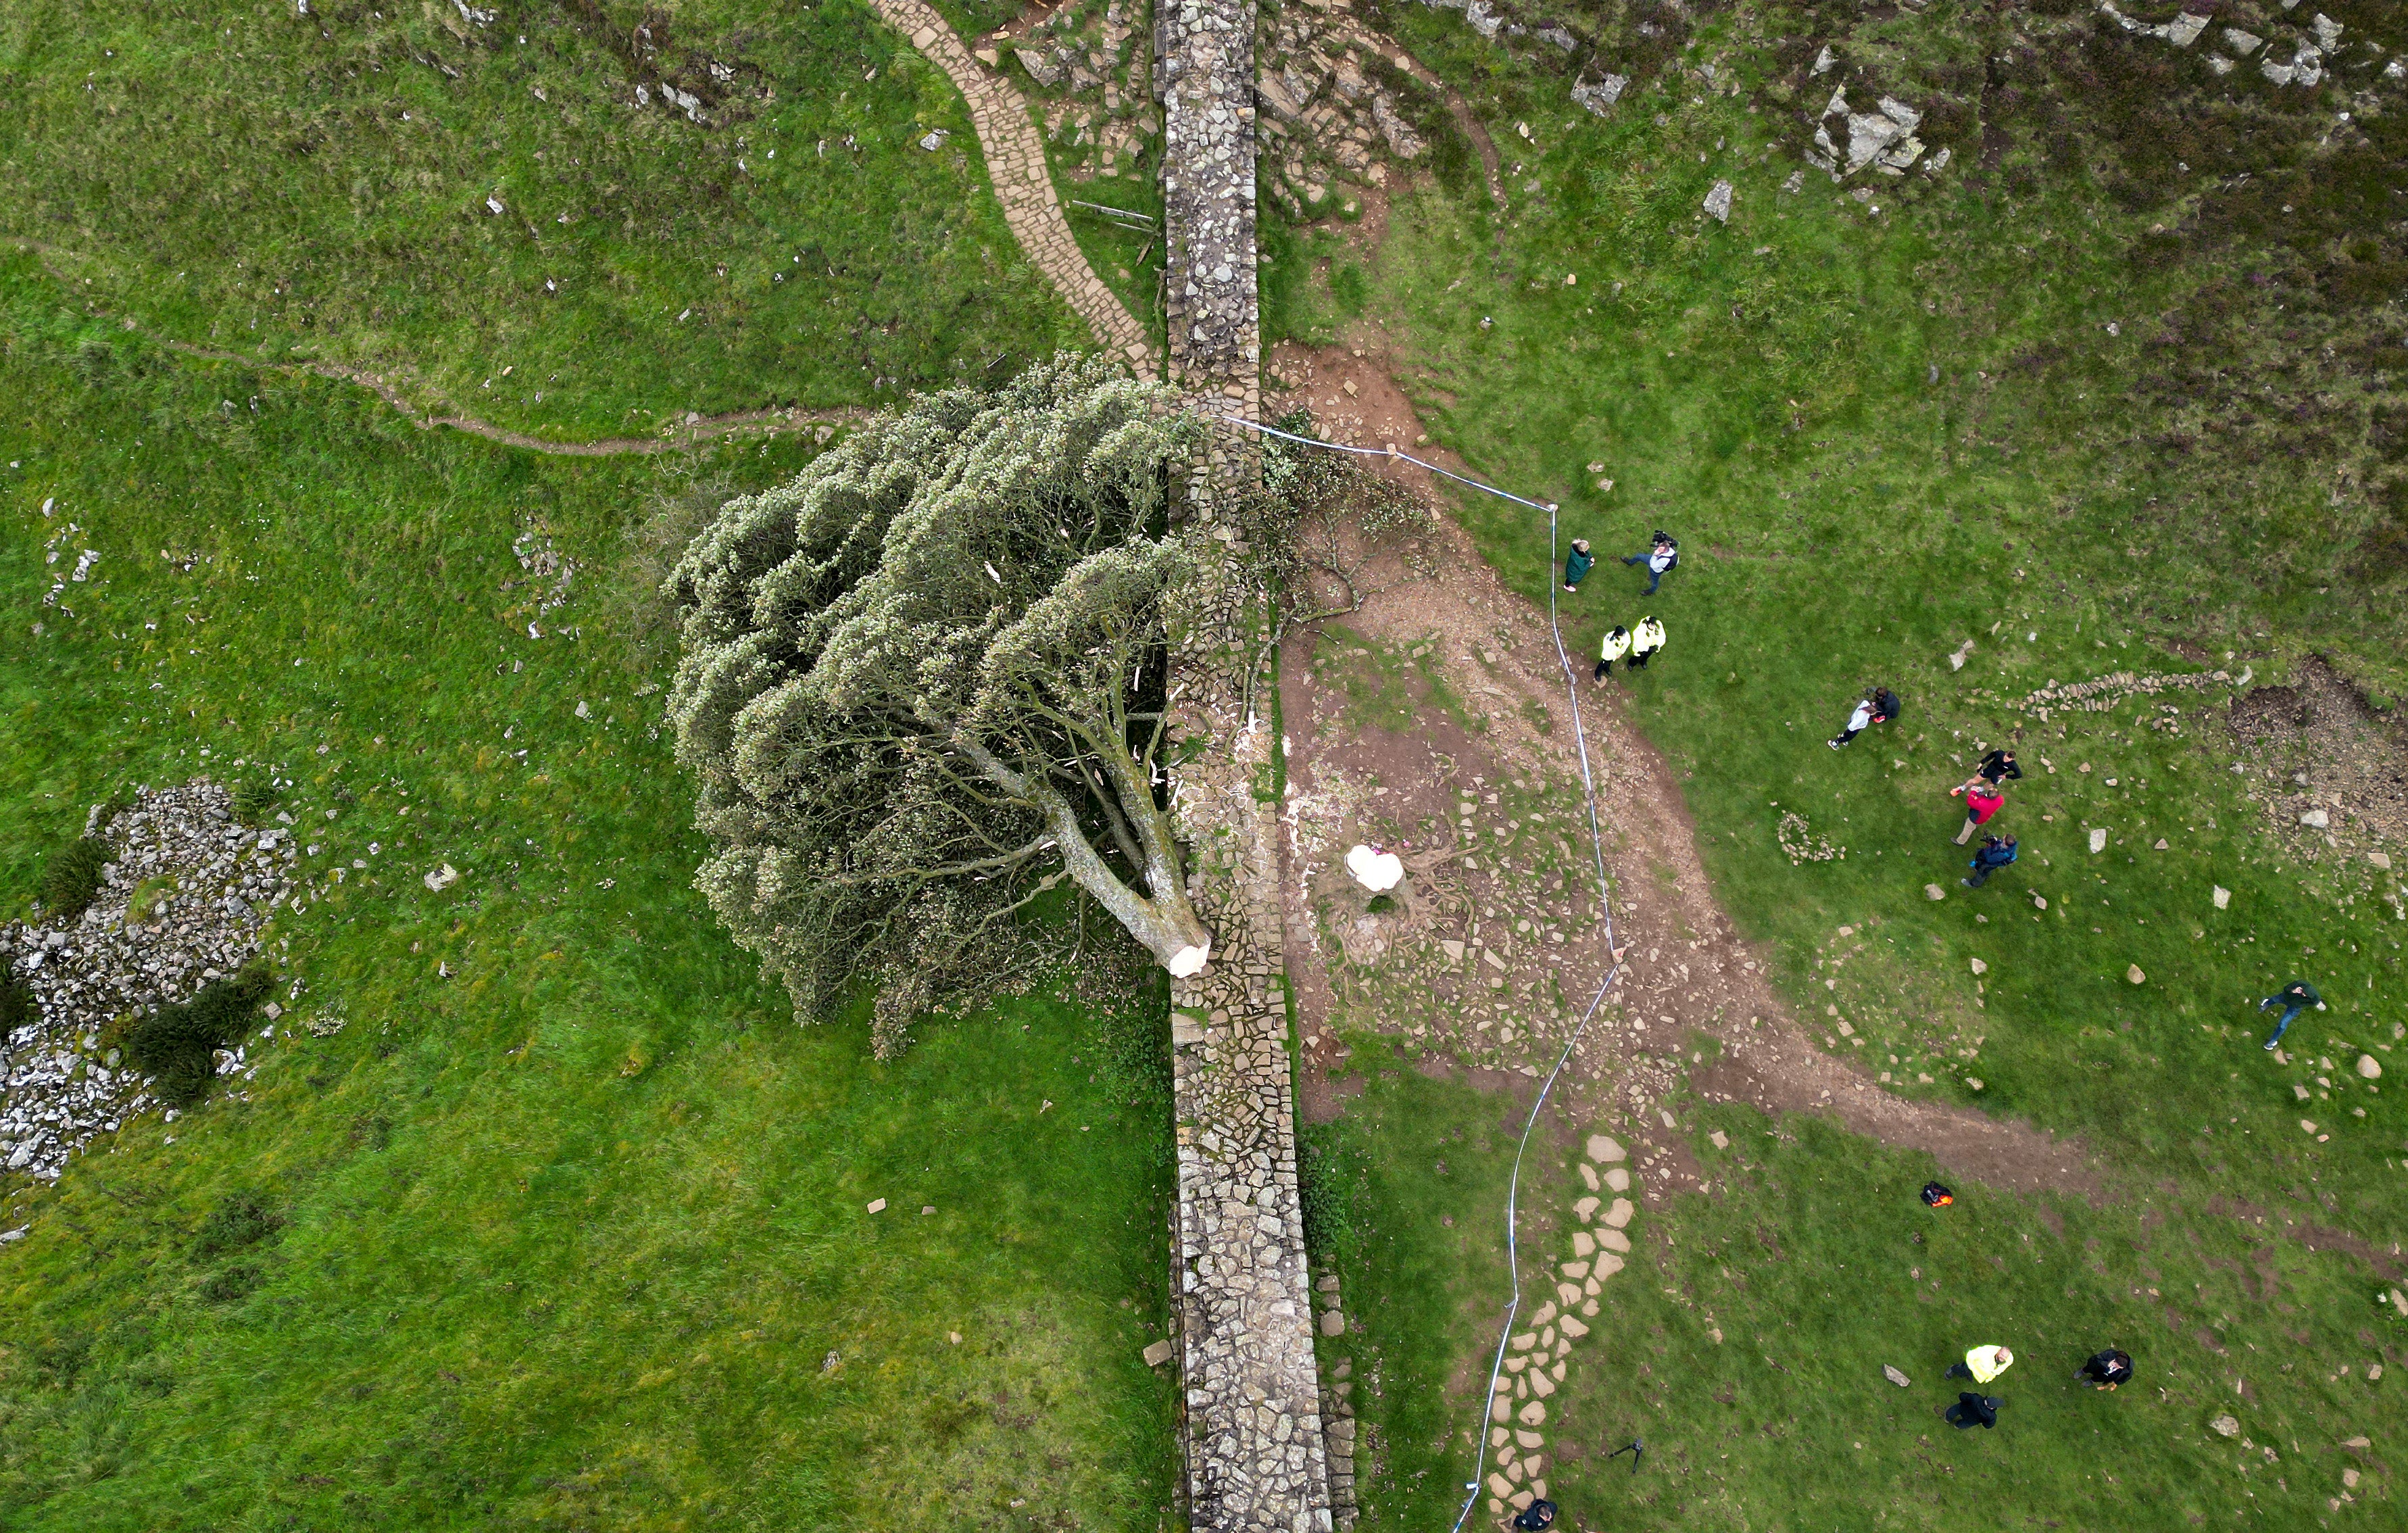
(182, 902)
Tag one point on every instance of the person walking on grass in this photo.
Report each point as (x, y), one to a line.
(1880, 706)
(1658, 560)
(1616, 645)
(1646, 640)
(1996, 852)
(2295, 997)
(1982, 1364)
(2107, 1370)
(1983, 799)
(1972, 1409)
(2000, 767)
(1577, 564)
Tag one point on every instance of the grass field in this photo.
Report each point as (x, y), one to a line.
(1878, 436)
(575, 1237)
(1744, 1346)
(324, 185)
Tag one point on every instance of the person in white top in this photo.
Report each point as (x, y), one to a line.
(1662, 557)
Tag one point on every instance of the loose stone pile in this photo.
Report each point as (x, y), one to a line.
(182, 904)
(2107, 691)
(1330, 115)
(1100, 115)
(1537, 1359)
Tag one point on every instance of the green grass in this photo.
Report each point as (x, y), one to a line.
(574, 1236)
(292, 186)
(1865, 531)
(1878, 436)
(1821, 1265)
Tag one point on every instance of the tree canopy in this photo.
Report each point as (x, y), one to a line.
(922, 685)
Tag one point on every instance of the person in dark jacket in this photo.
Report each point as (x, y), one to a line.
(1540, 1513)
(2000, 767)
(1972, 1409)
(1577, 564)
(2107, 1370)
(2295, 997)
(1996, 852)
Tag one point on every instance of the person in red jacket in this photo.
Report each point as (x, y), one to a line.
(1983, 799)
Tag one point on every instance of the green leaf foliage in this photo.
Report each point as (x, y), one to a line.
(921, 684)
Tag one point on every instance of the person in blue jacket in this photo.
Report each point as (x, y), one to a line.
(1577, 564)
(1996, 852)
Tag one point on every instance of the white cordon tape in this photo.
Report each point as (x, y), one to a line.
(1605, 903)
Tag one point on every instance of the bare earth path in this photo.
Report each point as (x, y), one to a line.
(1687, 967)
(1015, 161)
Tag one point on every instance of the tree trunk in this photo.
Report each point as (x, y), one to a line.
(1166, 923)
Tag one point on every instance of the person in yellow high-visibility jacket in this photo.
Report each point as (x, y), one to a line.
(1646, 640)
(1616, 645)
(1982, 1364)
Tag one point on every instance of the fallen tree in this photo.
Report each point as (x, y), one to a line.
(923, 684)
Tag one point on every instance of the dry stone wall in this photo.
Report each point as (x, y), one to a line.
(1207, 78)
(1256, 1454)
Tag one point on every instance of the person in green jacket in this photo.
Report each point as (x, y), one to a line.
(2295, 997)
(1577, 564)
(1616, 645)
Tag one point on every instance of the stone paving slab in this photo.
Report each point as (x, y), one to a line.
(1015, 163)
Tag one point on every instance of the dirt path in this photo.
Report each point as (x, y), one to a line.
(1015, 162)
(1686, 968)
(690, 431)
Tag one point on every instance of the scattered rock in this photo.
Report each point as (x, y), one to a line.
(1603, 1149)
(1155, 1355)
(1719, 1139)
(2132, 974)
(1933, 891)
(2222, 896)
(1599, 95)
(443, 878)
(878, 1205)
(1044, 71)
(2369, 1066)
(2098, 841)
(2316, 819)
(2224, 1427)
(1718, 202)
(1981, 967)
(1894, 1376)
(211, 885)
(2379, 859)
